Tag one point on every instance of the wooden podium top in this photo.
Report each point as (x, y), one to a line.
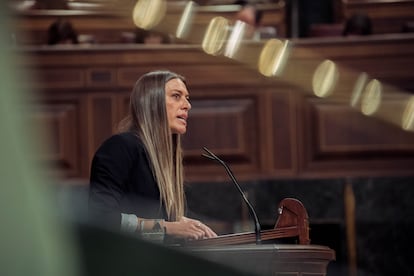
(270, 259)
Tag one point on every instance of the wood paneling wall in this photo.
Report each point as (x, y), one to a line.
(264, 127)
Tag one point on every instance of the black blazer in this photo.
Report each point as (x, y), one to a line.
(121, 181)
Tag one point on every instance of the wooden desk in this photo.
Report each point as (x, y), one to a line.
(387, 16)
(108, 25)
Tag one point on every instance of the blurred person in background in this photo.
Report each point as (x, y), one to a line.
(151, 37)
(252, 17)
(357, 25)
(62, 32)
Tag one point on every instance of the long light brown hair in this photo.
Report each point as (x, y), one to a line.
(148, 118)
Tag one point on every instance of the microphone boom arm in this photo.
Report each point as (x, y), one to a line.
(257, 227)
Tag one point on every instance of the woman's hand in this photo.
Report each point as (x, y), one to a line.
(190, 229)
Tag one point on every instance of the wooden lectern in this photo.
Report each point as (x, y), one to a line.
(270, 258)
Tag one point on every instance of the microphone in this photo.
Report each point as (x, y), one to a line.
(257, 229)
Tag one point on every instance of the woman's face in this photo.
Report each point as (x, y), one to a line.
(178, 104)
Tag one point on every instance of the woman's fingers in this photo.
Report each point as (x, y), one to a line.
(210, 233)
(207, 232)
(196, 229)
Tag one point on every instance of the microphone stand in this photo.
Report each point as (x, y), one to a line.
(257, 227)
